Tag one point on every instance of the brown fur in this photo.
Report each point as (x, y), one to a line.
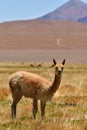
(31, 85)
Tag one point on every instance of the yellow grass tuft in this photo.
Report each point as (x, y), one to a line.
(68, 90)
(4, 92)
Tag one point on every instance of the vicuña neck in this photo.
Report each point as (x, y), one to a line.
(55, 84)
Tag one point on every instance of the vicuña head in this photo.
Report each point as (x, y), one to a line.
(34, 86)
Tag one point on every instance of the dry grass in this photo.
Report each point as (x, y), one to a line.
(4, 92)
(68, 111)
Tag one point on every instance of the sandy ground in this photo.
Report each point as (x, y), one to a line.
(43, 34)
(43, 40)
(26, 55)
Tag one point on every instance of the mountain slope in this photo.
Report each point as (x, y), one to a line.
(71, 11)
(43, 34)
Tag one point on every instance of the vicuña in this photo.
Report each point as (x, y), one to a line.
(31, 85)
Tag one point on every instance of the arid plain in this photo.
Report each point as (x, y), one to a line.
(40, 40)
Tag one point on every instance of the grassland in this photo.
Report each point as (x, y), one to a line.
(68, 110)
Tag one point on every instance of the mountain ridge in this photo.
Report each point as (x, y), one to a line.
(83, 20)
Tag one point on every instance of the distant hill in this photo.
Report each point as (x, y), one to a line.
(70, 11)
(43, 34)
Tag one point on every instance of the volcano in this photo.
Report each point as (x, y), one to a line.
(73, 10)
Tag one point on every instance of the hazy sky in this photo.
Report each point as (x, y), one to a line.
(27, 9)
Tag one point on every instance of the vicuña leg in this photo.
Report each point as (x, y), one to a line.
(35, 108)
(43, 104)
(16, 99)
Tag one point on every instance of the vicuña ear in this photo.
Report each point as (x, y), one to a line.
(54, 61)
(63, 62)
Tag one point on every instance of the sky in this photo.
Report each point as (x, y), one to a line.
(12, 10)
